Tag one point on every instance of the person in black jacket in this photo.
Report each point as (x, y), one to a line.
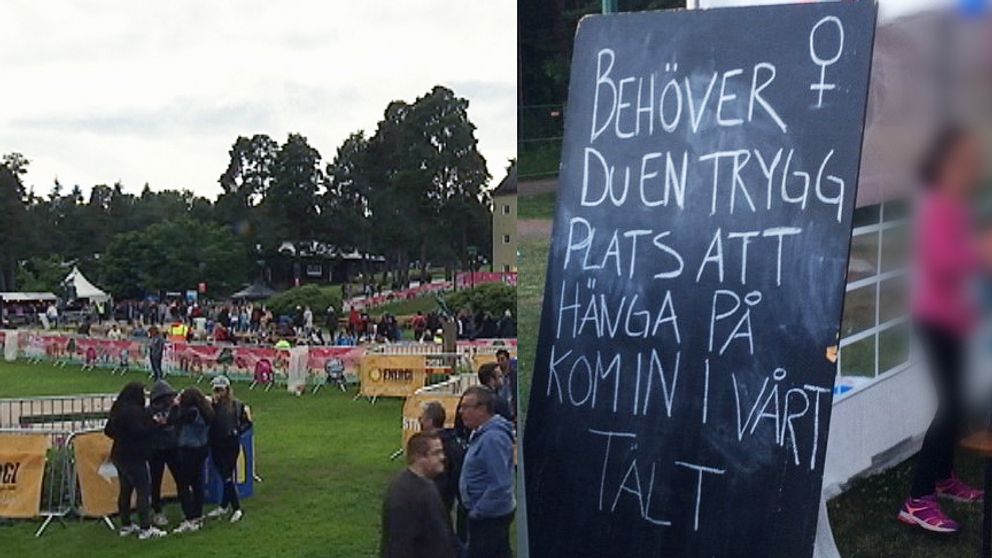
(162, 445)
(156, 347)
(193, 417)
(432, 421)
(231, 420)
(129, 426)
(491, 376)
(414, 523)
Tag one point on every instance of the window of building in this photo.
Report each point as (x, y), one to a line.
(506, 209)
(506, 269)
(506, 239)
(875, 334)
(314, 270)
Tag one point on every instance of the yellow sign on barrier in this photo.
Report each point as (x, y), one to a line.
(98, 484)
(393, 375)
(22, 470)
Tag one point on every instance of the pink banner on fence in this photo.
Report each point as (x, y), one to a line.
(350, 356)
(98, 352)
(223, 359)
(465, 279)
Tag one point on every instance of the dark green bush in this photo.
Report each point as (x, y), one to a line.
(494, 298)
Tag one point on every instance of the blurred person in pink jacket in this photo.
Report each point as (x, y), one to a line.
(948, 259)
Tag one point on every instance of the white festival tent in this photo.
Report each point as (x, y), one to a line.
(84, 289)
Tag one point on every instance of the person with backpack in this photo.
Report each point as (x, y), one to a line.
(162, 445)
(129, 426)
(192, 418)
(231, 420)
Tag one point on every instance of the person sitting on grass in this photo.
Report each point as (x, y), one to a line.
(129, 426)
(414, 522)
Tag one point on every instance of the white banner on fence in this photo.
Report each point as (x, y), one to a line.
(297, 370)
(10, 346)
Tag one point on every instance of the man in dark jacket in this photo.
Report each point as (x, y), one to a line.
(432, 421)
(486, 485)
(156, 347)
(414, 524)
(491, 376)
(163, 444)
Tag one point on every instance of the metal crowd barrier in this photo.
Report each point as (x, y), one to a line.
(58, 490)
(61, 418)
(70, 413)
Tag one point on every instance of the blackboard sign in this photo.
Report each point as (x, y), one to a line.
(683, 381)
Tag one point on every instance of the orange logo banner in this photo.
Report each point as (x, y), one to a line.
(98, 484)
(393, 375)
(22, 470)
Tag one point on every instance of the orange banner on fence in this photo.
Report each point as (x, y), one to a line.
(393, 375)
(22, 470)
(98, 484)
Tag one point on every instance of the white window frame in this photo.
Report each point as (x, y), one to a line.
(877, 280)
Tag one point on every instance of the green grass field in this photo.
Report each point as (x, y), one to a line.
(863, 518)
(324, 459)
(536, 206)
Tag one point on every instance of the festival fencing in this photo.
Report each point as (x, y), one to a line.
(39, 462)
(239, 362)
(465, 279)
(55, 460)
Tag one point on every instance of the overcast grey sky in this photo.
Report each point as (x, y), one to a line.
(98, 91)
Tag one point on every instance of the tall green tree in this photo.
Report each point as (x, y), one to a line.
(174, 256)
(290, 205)
(13, 215)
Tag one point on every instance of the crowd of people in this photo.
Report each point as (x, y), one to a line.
(177, 431)
(456, 497)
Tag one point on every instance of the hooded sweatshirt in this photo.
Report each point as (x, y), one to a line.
(162, 436)
(486, 484)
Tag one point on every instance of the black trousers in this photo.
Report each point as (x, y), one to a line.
(225, 457)
(156, 368)
(157, 462)
(132, 473)
(190, 481)
(945, 356)
(489, 538)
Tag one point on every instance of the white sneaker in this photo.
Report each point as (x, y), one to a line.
(187, 527)
(236, 516)
(151, 533)
(218, 512)
(128, 530)
(159, 520)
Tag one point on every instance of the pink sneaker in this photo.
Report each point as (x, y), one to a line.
(926, 513)
(955, 489)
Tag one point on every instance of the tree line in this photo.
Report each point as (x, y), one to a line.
(414, 190)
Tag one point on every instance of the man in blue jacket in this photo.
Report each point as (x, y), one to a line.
(486, 484)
